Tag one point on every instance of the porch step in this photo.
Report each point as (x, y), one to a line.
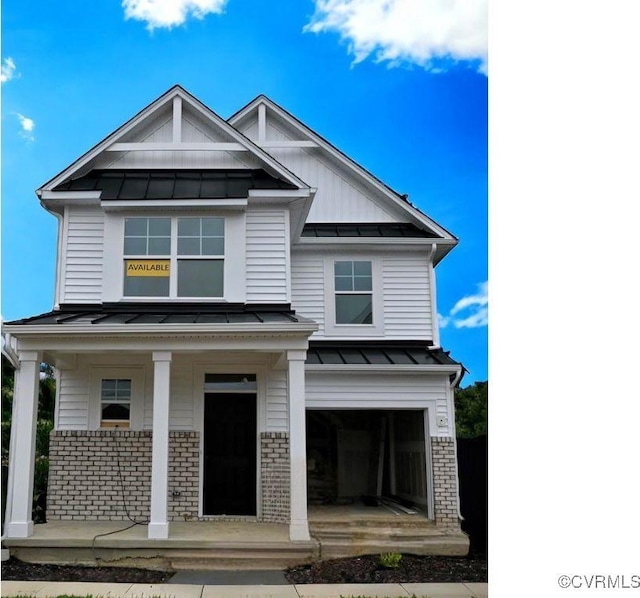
(357, 537)
(453, 544)
(190, 545)
(239, 556)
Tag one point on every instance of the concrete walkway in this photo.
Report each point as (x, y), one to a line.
(50, 589)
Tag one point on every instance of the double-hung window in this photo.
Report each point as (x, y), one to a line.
(200, 257)
(146, 238)
(115, 402)
(353, 292)
(174, 257)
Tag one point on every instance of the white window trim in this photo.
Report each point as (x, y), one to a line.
(261, 372)
(377, 300)
(136, 375)
(173, 257)
(234, 285)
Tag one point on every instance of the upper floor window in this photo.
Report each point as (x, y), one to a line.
(174, 257)
(353, 292)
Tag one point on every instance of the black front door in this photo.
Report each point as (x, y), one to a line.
(229, 454)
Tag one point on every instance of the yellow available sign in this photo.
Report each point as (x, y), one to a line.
(147, 267)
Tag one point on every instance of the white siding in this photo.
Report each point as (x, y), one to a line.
(407, 297)
(277, 401)
(267, 255)
(381, 391)
(73, 402)
(307, 287)
(83, 255)
(194, 130)
(338, 197)
(406, 294)
(181, 159)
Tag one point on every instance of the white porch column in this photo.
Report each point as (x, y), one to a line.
(158, 523)
(298, 526)
(23, 446)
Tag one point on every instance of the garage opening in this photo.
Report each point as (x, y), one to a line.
(368, 457)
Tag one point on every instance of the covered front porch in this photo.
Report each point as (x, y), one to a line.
(336, 531)
(150, 465)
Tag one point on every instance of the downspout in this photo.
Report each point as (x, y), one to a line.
(435, 327)
(452, 386)
(60, 219)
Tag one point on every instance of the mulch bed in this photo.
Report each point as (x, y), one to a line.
(364, 569)
(15, 570)
(411, 569)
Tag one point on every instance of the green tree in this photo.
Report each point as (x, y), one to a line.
(471, 410)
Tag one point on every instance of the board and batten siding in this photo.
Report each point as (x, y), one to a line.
(337, 390)
(339, 197)
(83, 255)
(406, 293)
(267, 256)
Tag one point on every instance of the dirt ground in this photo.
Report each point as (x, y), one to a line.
(365, 569)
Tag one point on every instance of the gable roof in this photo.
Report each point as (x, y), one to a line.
(399, 200)
(84, 163)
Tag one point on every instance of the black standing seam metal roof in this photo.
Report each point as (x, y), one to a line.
(154, 315)
(173, 184)
(370, 354)
(382, 229)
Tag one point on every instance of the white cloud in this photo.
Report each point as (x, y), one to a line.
(28, 125)
(472, 311)
(422, 32)
(7, 69)
(169, 13)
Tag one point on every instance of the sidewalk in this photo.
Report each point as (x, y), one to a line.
(48, 589)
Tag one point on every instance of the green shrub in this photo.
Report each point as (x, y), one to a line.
(390, 560)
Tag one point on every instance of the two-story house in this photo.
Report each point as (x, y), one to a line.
(244, 329)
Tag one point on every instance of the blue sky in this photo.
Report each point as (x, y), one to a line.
(401, 90)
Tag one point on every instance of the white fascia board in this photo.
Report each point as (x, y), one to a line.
(163, 330)
(72, 196)
(382, 368)
(266, 343)
(171, 205)
(297, 225)
(341, 158)
(280, 193)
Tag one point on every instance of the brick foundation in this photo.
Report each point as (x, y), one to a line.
(275, 473)
(445, 482)
(88, 471)
(184, 475)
